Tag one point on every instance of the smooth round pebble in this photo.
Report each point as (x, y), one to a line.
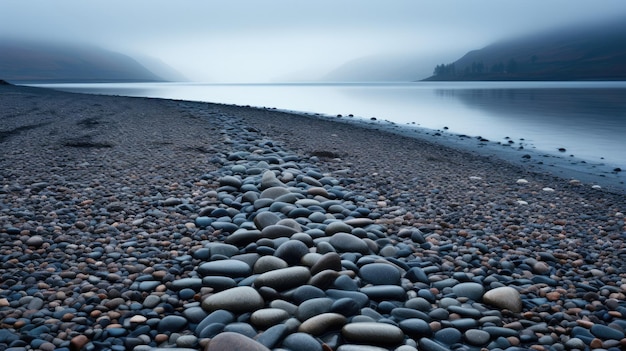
(375, 333)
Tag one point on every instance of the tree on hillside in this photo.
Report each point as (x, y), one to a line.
(445, 70)
(511, 67)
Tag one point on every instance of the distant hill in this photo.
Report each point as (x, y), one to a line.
(383, 67)
(587, 52)
(31, 61)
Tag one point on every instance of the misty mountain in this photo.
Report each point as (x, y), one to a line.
(383, 68)
(586, 52)
(160, 68)
(31, 61)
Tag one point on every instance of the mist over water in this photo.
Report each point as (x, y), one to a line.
(588, 119)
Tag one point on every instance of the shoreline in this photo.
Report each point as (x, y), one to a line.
(568, 168)
(139, 223)
(607, 175)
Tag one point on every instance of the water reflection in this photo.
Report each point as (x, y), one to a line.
(586, 118)
(591, 122)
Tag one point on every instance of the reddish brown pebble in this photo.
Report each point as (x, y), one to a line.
(78, 342)
(514, 341)
(596, 343)
(161, 338)
(553, 296)
(67, 317)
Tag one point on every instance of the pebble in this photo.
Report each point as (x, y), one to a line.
(380, 274)
(322, 323)
(448, 336)
(302, 342)
(374, 333)
(477, 337)
(238, 299)
(229, 341)
(291, 251)
(504, 298)
(35, 241)
(229, 268)
(473, 291)
(605, 333)
(344, 242)
(268, 317)
(172, 324)
(269, 263)
(284, 278)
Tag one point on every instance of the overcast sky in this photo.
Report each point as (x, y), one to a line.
(262, 41)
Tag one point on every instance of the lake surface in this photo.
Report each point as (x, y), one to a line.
(588, 119)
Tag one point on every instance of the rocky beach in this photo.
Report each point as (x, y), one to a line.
(146, 224)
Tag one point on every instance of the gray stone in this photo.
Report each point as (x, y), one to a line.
(380, 274)
(344, 242)
(241, 328)
(477, 337)
(374, 333)
(230, 181)
(273, 335)
(267, 317)
(473, 291)
(238, 299)
(415, 327)
(330, 260)
(322, 323)
(151, 301)
(302, 342)
(194, 314)
(575, 343)
(283, 279)
(229, 341)
(222, 249)
(337, 227)
(278, 231)
(217, 317)
(430, 345)
(385, 292)
(265, 219)
(229, 268)
(606, 333)
(172, 324)
(268, 180)
(274, 193)
(313, 307)
(448, 336)
(268, 263)
(187, 283)
(188, 341)
(35, 241)
(291, 251)
(504, 298)
(242, 237)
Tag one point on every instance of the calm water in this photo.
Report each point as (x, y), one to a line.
(586, 118)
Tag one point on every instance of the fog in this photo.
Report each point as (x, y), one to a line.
(274, 40)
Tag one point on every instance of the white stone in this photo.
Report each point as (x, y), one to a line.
(504, 297)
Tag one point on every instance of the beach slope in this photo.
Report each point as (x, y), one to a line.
(134, 223)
